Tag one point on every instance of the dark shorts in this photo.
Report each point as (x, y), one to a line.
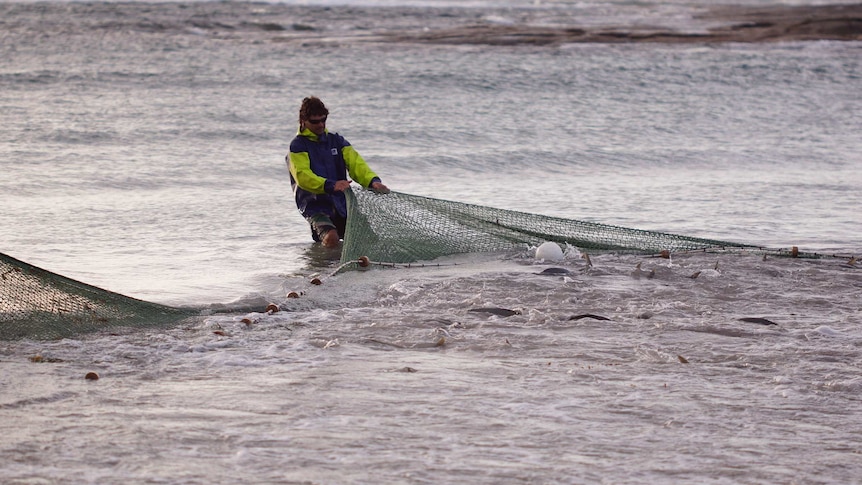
(321, 224)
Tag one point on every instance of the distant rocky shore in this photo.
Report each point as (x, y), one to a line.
(729, 24)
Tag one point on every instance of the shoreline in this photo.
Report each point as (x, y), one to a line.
(733, 24)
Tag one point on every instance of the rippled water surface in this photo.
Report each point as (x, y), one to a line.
(143, 153)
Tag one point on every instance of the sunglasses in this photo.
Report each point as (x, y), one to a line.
(317, 121)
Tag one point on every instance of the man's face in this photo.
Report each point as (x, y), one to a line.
(317, 124)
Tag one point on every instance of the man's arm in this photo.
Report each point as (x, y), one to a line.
(357, 168)
(306, 179)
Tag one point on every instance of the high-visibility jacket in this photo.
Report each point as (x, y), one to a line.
(316, 163)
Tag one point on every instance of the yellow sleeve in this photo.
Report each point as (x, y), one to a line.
(306, 179)
(356, 166)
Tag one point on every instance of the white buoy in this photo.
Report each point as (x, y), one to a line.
(549, 251)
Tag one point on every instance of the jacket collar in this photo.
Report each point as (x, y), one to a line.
(311, 135)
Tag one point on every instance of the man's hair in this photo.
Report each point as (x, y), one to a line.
(312, 106)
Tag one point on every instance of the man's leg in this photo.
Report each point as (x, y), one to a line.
(336, 235)
(324, 230)
(330, 238)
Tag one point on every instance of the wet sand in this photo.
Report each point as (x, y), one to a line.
(725, 24)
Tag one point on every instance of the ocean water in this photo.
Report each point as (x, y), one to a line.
(143, 152)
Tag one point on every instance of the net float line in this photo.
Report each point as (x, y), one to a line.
(362, 262)
(317, 280)
(792, 252)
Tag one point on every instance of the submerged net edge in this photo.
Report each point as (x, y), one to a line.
(38, 304)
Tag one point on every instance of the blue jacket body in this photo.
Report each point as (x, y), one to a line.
(316, 163)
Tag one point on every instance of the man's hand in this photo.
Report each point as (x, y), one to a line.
(379, 188)
(342, 185)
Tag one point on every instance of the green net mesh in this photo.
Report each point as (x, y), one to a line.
(39, 304)
(391, 228)
(404, 228)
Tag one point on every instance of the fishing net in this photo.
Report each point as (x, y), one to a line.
(404, 228)
(39, 304)
(391, 228)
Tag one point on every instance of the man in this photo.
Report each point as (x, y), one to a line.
(319, 163)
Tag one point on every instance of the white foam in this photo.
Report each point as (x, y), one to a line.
(828, 331)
